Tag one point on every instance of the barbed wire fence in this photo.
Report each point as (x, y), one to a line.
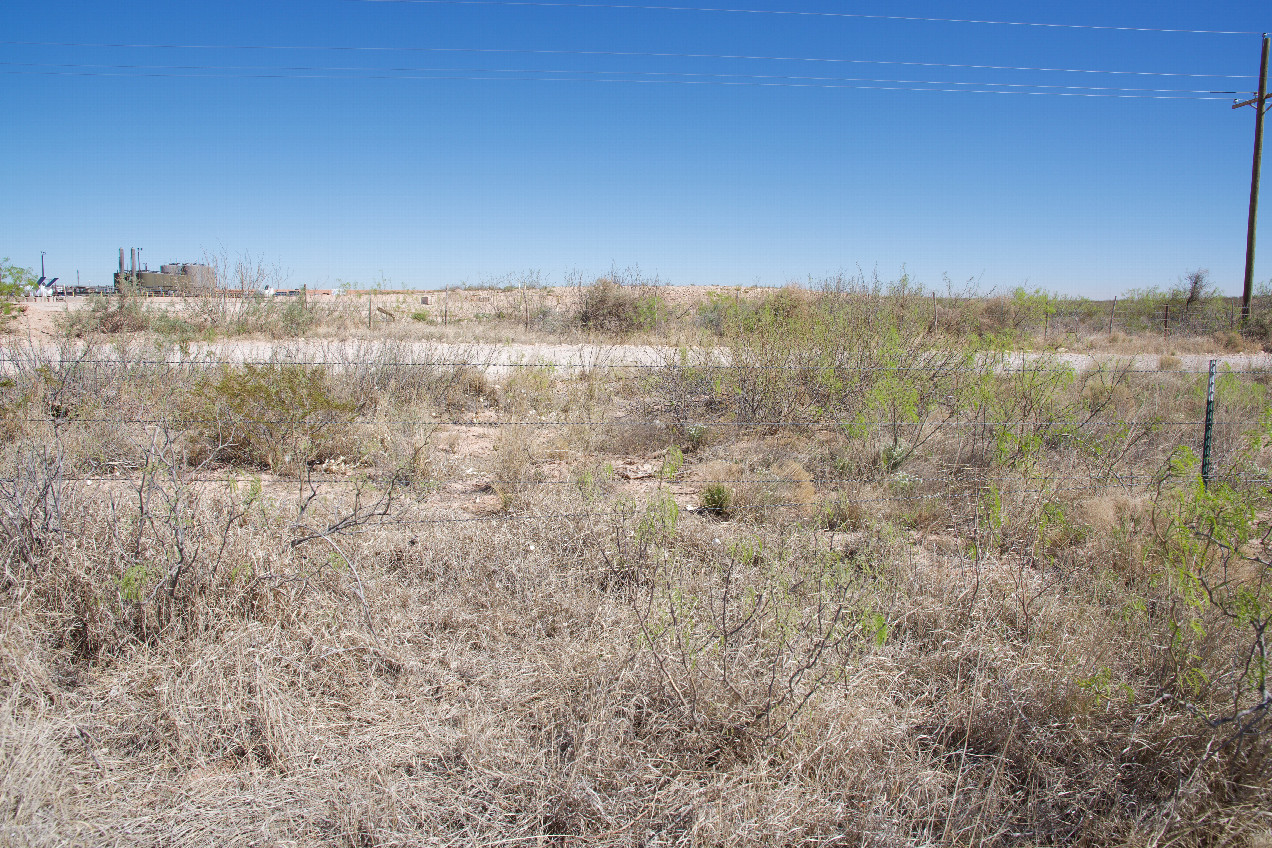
(446, 496)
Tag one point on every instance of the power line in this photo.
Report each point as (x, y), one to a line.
(354, 72)
(810, 14)
(576, 79)
(613, 53)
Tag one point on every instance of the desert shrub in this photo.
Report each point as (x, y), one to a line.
(846, 353)
(123, 313)
(296, 318)
(265, 416)
(618, 304)
(1194, 304)
(13, 279)
(717, 498)
(607, 306)
(1009, 317)
(32, 498)
(1209, 535)
(722, 311)
(751, 634)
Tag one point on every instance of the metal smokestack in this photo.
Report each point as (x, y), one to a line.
(121, 260)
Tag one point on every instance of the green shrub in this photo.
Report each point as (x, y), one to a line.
(717, 498)
(608, 307)
(615, 304)
(266, 416)
(12, 281)
(123, 313)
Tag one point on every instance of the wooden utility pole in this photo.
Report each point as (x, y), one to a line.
(1260, 107)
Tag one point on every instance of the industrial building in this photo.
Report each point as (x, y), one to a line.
(170, 279)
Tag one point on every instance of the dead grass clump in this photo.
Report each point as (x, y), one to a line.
(634, 438)
(527, 391)
(925, 514)
(38, 780)
(1230, 341)
(779, 493)
(846, 511)
(398, 445)
(785, 487)
(465, 386)
(515, 472)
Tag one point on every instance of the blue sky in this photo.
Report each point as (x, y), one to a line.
(465, 166)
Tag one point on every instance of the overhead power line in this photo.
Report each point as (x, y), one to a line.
(934, 86)
(85, 45)
(356, 72)
(810, 14)
(455, 77)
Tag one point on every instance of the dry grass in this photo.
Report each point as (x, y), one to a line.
(913, 633)
(504, 687)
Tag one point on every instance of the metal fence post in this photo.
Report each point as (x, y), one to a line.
(1210, 426)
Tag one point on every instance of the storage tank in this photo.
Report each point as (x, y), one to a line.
(199, 277)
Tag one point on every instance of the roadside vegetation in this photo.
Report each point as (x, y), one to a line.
(627, 306)
(840, 568)
(13, 280)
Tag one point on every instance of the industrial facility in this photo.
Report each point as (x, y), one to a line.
(170, 279)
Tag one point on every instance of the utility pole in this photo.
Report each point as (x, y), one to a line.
(1259, 108)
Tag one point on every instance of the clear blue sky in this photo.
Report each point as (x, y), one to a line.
(562, 163)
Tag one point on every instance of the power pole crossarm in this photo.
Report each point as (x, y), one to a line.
(1247, 289)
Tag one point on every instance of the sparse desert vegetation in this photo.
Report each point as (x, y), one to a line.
(833, 567)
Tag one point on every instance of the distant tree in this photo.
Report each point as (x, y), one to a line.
(13, 280)
(1197, 282)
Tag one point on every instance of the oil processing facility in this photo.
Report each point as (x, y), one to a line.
(170, 279)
